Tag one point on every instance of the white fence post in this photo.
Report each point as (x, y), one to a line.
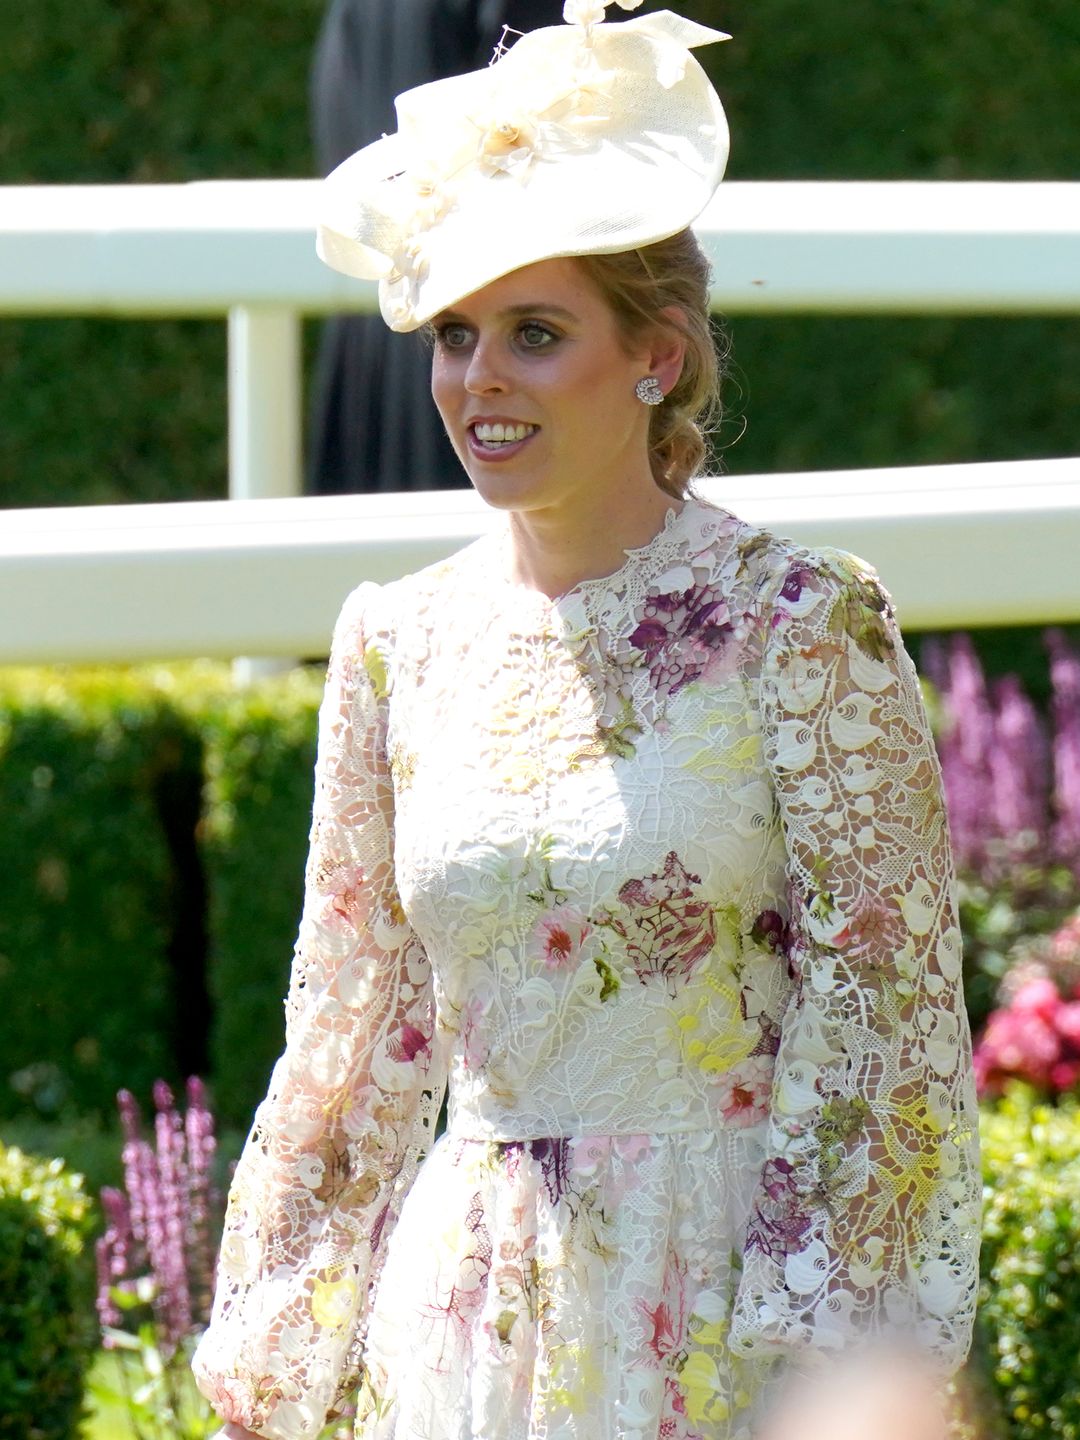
(265, 423)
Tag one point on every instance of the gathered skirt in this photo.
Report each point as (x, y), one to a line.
(569, 1288)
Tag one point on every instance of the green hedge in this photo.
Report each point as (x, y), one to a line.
(260, 757)
(1029, 1314)
(46, 1317)
(96, 410)
(156, 827)
(86, 996)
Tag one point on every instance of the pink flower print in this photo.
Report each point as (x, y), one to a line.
(662, 1339)
(343, 886)
(560, 936)
(871, 928)
(743, 1093)
(232, 1401)
(407, 1044)
(475, 1048)
(588, 1153)
(666, 1321)
(458, 1306)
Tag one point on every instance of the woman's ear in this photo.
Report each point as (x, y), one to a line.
(668, 348)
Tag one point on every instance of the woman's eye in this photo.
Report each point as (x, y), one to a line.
(534, 335)
(453, 336)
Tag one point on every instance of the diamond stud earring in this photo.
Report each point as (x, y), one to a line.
(648, 390)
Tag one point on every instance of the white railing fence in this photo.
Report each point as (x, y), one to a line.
(956, 545)
(974, 544)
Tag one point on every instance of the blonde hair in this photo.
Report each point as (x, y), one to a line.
(638, 285)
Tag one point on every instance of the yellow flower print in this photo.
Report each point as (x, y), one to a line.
(703, 1388)
(575, 1378)
(522, 774)
(333, 1302)
(730, 754)
(715, 1046)
(402, 767)
(375, 665)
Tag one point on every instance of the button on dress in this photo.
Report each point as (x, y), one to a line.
(655, 879)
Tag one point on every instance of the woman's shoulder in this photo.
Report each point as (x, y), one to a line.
(425, 597)
(768, 558)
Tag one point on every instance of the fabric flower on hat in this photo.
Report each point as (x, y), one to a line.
(591, 12)
(507, 140)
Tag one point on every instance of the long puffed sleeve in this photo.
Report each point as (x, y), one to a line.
(866, 1220)
(352, 1100)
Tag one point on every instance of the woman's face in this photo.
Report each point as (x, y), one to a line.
(537, 353)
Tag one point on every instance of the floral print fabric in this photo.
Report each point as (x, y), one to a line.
(656, 879)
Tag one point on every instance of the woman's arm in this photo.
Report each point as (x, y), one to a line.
(352, 1100)
(866, 1222)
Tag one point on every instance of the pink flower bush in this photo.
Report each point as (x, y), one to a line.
(1035, 1037)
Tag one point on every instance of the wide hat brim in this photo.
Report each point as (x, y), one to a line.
(578, 140)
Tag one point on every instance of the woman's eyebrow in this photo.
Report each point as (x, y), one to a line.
(516, 312)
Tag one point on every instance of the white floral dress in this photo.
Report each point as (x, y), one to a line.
(657, 877)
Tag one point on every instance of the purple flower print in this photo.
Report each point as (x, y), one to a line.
(684, 636)
(554, 1155)
(474, 1042)
(650, 636)
(779, 1223)
(772, 930)
(793, 584)
(670, 931)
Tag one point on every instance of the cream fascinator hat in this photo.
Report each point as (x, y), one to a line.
(580, 139)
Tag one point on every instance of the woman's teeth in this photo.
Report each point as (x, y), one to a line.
(499, 434)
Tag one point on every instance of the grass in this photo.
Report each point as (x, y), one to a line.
(105, 1421)
(107, 1418)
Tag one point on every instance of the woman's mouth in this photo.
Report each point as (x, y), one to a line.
(499, 440)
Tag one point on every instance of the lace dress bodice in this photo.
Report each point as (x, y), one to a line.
(656, 878)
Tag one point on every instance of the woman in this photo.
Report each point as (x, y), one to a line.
(628, 824)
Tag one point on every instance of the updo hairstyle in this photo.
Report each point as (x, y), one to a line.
(638, 285)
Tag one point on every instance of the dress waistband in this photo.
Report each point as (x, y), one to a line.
(489, 1122)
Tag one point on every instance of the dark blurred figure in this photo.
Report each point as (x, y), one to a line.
(373, 423)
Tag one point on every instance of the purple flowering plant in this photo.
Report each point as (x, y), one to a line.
(1011, 775)
(156, 1263)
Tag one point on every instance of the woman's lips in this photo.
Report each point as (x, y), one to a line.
(505, 450)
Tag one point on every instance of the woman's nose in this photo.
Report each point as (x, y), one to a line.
(484, 373)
